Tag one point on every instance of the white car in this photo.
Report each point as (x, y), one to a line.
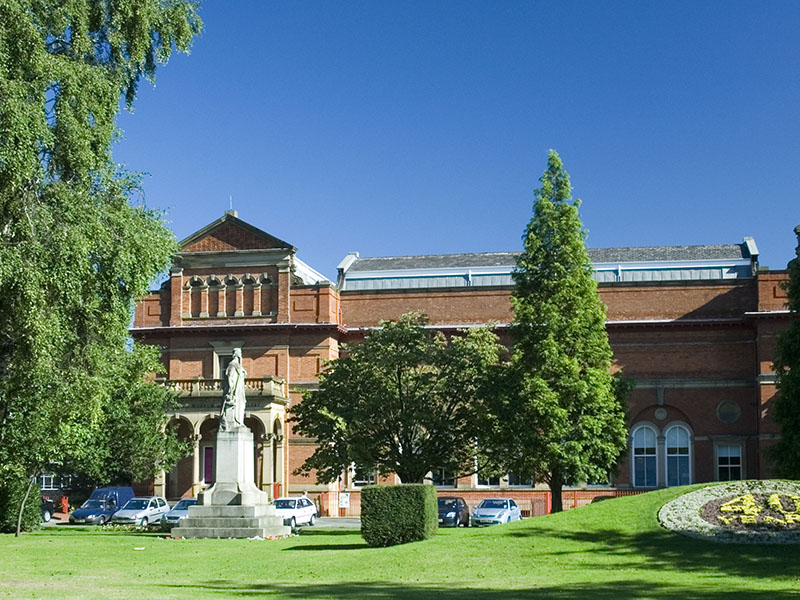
(493, 511)
(296, 511)
(141, 511)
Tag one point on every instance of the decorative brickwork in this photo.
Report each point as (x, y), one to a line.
(230, 237)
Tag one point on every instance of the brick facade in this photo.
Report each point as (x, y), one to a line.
(699, 351)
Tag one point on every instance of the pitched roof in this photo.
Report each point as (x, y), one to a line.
(596, 255)
(230, 233)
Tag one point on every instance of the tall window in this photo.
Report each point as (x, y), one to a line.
(520, 480)
(644, 457)
(224, 361)
(678, 441)
(363, 476)
(442, 478)
(729, 462)
(486, 480)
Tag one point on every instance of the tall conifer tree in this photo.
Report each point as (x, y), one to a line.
(566, 412)
(787, 367)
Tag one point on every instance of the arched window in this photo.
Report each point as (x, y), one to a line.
(678, 442)
(644, 457)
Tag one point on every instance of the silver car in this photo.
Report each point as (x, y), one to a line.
(178, 512)
(295, 511)
(493, 511)
(141, 511)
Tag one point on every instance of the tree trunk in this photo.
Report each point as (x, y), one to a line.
(556, 483)
(22, 506)
(410, 475)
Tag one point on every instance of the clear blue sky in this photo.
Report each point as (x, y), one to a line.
(395, 128)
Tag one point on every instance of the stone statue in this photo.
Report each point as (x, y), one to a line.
(231, 414)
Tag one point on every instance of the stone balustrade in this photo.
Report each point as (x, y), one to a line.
(263, 386)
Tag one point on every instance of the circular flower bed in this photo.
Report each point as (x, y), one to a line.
(737, 511)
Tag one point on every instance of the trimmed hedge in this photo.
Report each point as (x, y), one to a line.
(397, 514)
(11, 493)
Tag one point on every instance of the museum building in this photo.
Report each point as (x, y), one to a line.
(693, 326)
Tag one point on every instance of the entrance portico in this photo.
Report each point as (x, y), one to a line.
(197, 421)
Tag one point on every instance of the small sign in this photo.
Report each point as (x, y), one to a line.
(344, 499)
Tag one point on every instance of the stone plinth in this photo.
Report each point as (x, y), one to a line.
(233, 507)
(231, 522)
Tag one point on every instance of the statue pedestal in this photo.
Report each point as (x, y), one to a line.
(233, 507)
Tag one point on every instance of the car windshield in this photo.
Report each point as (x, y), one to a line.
(136, 504)
(184, 504)
(93, 504)
(284, 503)
(491, 503)
(447, 503)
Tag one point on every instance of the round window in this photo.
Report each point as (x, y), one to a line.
(728, 411)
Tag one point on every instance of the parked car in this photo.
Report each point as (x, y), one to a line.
(296, 510)
(48, 508)
(141, 511)
(493, 511)
(101, 505)
(178, 512)
(453, 511)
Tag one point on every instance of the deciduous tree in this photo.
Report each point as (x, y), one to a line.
(558, 412)
(406, 400)
(786, 405)
(76, 249)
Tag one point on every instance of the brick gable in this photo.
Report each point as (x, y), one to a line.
(230, 236)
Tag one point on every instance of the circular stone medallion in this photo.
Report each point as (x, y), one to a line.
(738, 511)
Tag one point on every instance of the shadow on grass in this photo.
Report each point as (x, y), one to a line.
(664, 549)
(391, 591)
(316, 547)
(68, 530)
(328, 532)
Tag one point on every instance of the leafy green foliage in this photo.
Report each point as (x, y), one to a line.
(558, 412)
(404, 400)
(398, 514)
(75, 250)
(786, 405)
(12, 490)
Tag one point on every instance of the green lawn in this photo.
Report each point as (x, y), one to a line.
(610, 550)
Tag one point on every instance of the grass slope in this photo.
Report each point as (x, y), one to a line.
(613, 549)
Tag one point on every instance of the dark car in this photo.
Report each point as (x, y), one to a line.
(48, 509)
(101, 505)
(453, 511)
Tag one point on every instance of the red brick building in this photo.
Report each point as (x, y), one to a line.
(694, 326)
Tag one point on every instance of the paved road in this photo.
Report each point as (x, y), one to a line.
(322, 522)
(338, 523)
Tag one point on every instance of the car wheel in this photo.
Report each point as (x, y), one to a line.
(144, 521)
(293, 523)
(468, 522)
(312, 520)
(46, 516)
(103, 520)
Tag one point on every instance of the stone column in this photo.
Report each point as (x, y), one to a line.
(266, 465)
(661, 462)
(159, 484)
(196, 466)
